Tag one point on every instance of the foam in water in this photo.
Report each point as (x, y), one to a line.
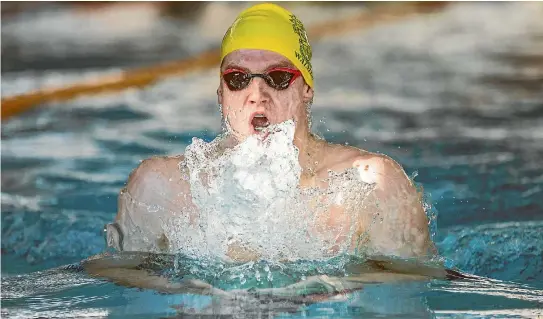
(249, 196)
(247, 203)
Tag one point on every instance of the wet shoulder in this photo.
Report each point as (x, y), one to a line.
(159, 174)
(373, 167)
(338, 158)
(159, 165)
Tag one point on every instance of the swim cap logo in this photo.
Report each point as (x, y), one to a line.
(304, 55)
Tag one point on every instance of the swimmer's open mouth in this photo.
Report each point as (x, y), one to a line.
(259, 122)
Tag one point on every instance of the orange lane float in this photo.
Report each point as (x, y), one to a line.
(142, 77)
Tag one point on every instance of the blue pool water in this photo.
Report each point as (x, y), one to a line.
(456, 98)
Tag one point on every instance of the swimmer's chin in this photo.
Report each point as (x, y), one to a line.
(234, 137)
(261, 134)
(239, 138)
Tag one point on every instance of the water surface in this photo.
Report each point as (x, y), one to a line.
(456, 98)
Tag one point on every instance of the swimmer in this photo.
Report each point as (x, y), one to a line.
(266, 78)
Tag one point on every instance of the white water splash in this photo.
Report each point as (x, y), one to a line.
(247, 198)
(250, 195)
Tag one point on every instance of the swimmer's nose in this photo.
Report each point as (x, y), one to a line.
(258, 92)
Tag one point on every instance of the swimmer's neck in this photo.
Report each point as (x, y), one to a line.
(309, 150)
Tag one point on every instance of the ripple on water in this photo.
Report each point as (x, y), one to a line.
(456, 97)
(509, 251)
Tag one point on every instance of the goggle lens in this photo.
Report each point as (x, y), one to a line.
(279, 79)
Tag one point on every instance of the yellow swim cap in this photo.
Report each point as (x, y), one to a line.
(270, 27)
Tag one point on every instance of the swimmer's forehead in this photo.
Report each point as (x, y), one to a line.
(255, 60)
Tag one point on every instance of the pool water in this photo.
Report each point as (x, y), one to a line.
(456, 98)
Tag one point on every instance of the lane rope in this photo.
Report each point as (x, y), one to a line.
(142, 77)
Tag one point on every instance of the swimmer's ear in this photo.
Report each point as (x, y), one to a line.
(308, 94)
(219, 96)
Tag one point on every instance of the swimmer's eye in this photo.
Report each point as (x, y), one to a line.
(280, 79)
(236, 80)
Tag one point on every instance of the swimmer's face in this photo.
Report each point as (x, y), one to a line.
(239, 107)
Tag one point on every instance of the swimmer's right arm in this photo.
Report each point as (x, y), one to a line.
(156, 190)
(159, 181)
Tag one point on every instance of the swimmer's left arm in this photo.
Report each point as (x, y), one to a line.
(401, 226)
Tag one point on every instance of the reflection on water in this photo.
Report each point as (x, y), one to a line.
(455, 97)
(306, 289)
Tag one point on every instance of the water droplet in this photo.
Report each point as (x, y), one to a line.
(176, 264)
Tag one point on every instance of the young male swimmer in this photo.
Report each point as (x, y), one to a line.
(266, 79)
